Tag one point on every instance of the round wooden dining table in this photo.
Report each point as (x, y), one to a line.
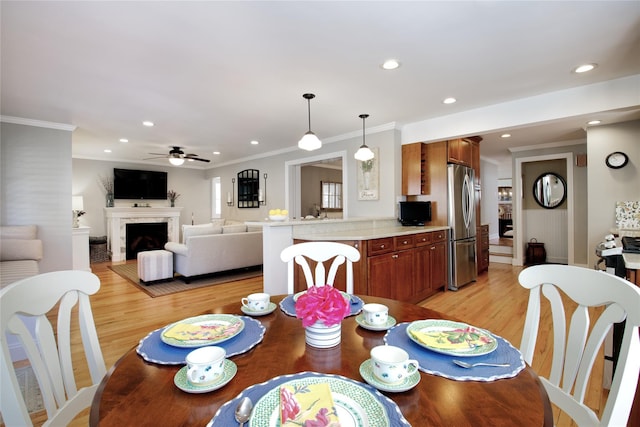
(140, 393)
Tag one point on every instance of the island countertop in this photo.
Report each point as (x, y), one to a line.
(347, 229)
(366, 233)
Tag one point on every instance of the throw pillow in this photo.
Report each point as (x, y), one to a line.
(238, 228)
(199, 230)
(217, 222)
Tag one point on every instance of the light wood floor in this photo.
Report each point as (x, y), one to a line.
(495, 302)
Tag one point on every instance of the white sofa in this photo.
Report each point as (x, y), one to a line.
(20, 251)
(212, 248)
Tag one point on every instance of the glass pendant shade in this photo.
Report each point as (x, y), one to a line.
(309, 142)
(176, 161)
(364, 153)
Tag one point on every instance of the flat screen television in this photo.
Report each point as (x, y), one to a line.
(139, 184)
(414, 213)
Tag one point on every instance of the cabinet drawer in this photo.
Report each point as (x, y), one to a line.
(423, 239)
(380, 246)
(403, 242)
(439, 236)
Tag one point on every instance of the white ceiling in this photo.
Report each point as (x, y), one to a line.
(216, 75)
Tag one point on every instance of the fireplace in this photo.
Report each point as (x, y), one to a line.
(145, 236)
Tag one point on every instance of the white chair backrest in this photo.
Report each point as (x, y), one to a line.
(576, 349)
(28, 301)
(320, 252)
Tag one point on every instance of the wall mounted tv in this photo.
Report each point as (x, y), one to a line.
(414, 213)
(139, 184)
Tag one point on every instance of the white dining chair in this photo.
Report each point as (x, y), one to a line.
(574, 351)
(320, 252)
(27, 302)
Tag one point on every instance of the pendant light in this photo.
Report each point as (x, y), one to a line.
(364, 153)
(309, 140)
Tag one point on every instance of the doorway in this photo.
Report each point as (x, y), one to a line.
(293, 181)
(520, 220)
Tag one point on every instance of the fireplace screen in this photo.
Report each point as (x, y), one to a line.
(145, 237)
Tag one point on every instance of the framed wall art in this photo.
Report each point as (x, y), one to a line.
(368, 177)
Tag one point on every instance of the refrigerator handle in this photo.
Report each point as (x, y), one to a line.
(467, 200)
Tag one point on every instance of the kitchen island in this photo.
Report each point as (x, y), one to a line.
(416, 255)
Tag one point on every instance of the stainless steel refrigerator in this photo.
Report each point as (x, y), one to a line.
(462, 220)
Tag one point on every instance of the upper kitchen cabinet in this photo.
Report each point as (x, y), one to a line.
(415, 180)
(460, 150)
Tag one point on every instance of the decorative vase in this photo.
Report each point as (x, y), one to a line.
(109, 200)
(321, 336)
(173, 203)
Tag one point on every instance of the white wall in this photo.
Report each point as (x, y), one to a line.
(608, 186)
(35, 185)
(192, 185)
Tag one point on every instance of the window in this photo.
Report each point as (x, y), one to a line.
(216, 198)
(331, 195)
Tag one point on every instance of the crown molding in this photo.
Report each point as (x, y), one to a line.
(37, 123)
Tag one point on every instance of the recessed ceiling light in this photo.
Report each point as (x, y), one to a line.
(584, 68)
(449, 100)
(124, 140)
(505, 135)
(254, 142)
(594, 122)
(390, 64)
(216, 153)
(148, 123)
(107, 150)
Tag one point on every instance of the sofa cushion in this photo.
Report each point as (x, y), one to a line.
(218, 222)
(237, 228)
(199, 230)
(24, 232)
(20, 249)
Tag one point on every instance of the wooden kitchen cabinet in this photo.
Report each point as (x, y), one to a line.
(482, 241)
(461, 150)
(391, 275)
(431, 266)
(414, 173)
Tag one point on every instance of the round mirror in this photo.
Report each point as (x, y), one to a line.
(549, 190)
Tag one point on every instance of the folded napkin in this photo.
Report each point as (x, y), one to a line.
(190, 332)
(309, 402)
(454, 339)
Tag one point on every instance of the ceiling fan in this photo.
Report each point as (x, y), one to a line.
(177, 157)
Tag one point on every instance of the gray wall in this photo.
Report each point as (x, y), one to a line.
(35, 186)
(608, 186)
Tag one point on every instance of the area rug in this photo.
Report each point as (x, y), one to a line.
(161, 288)
(30, 389)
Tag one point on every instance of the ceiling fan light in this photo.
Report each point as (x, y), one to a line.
(176, 161)
(309, 142)
(364, 153)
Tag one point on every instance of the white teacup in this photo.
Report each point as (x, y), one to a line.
(205, 365)
(256, 302)
(392, 364)
(375, 314)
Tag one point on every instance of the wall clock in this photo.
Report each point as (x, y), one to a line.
(617, 160)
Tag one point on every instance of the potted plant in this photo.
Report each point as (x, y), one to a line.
(321, 309)
(107, 184)
(172, 196)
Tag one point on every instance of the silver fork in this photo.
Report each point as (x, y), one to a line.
(473, 365)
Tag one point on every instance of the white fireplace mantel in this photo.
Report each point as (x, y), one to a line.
(118, 218)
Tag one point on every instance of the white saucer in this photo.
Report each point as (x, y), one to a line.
(366, 371)
(180, 379)
(272, 306)
(390, 322)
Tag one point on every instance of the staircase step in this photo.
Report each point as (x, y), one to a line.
(502, 250)
(501, 259)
